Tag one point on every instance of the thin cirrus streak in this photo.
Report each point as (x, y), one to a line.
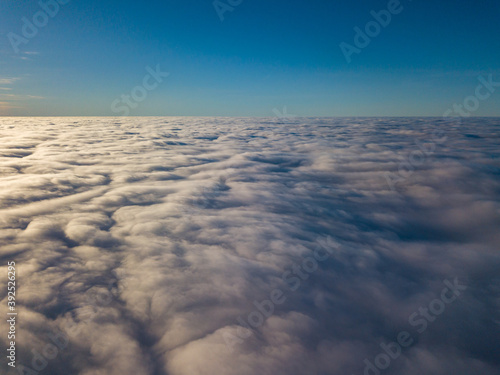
(180, 224)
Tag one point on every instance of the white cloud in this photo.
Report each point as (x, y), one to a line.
(178, 225)
(8, 80)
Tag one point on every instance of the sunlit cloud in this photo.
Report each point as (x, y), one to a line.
(6, 107)
(186, 226)
(9, 81)
(11, 100)
(20, 97)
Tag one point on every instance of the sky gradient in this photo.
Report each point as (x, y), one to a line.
(253, 60)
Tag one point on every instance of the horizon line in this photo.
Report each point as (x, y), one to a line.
(271, 117)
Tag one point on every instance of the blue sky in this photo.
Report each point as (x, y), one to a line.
(263, 56)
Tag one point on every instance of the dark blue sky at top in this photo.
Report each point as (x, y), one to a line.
(264, 56)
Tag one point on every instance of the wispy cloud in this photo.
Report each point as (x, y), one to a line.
(9, 80)
(5, 99)
(28, 55)
(20, 97)
(9, 97)
(5, 107)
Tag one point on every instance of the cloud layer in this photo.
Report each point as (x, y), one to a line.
(145, 243)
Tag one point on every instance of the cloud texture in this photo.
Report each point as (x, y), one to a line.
(145, 243)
